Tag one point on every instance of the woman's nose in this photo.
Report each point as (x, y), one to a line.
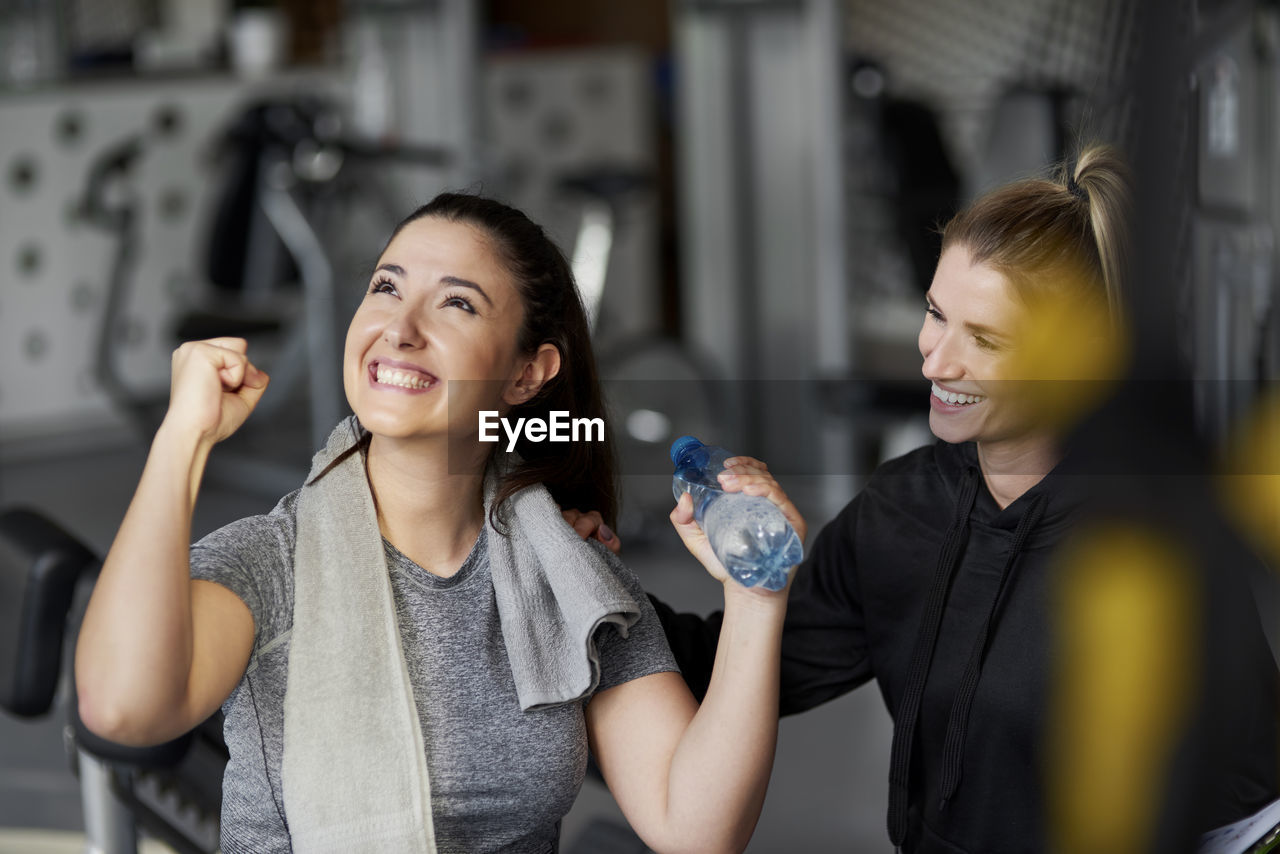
(941, 361)
(403, 332)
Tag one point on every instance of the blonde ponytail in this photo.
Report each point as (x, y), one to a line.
(1070, 231)
(1103, 178)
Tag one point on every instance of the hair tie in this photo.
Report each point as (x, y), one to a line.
(1076, 190)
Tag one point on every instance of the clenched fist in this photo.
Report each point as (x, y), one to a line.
(214, 387)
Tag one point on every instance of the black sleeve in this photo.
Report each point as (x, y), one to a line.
(824, 645)
(823, 641)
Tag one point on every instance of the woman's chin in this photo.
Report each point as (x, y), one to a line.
(390, 427)
(946, 428)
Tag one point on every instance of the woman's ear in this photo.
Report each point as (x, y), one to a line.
(537, 371)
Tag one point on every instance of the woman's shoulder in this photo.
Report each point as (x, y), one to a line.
(625, 577)
(919, 481)
(642, 649)
(254, 539)
(614, 563)
(253, 557)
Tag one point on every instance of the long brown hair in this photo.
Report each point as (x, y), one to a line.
(577, 474)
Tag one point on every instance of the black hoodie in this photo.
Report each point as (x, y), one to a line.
(924, 553)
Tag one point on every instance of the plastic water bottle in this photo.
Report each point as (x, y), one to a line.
(748, 533)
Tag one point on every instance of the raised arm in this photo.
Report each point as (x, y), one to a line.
(157, 652)
(688, 777)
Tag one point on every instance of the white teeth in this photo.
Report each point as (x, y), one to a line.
(404, 379)
(956, 399)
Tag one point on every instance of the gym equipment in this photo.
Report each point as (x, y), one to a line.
(173, 791)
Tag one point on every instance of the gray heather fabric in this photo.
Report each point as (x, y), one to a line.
(501, 778)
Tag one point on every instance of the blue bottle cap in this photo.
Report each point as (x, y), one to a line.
(679, 446)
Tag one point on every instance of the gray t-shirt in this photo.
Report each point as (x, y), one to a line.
(501, 778)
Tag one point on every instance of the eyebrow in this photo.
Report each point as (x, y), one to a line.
(466, 283)
(976, 328)
(444, 280)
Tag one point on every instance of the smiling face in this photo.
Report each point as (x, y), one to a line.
(967, 342)
(440, 307)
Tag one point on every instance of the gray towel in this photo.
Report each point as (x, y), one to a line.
(553, 590)
(354, 765)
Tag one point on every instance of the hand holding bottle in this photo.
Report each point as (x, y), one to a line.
(736, 519)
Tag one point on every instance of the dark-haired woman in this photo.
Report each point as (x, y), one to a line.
(414, 651)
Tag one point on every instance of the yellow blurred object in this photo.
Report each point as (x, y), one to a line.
(1125, 675)
(1252, 481)
(1066, 356)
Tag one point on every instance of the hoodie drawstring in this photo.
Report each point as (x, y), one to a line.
(921, 655)
(958, 723)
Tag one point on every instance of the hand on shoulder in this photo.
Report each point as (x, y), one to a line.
(590, 525)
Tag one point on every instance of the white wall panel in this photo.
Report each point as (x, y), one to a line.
(54, 268)
(549, 113)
